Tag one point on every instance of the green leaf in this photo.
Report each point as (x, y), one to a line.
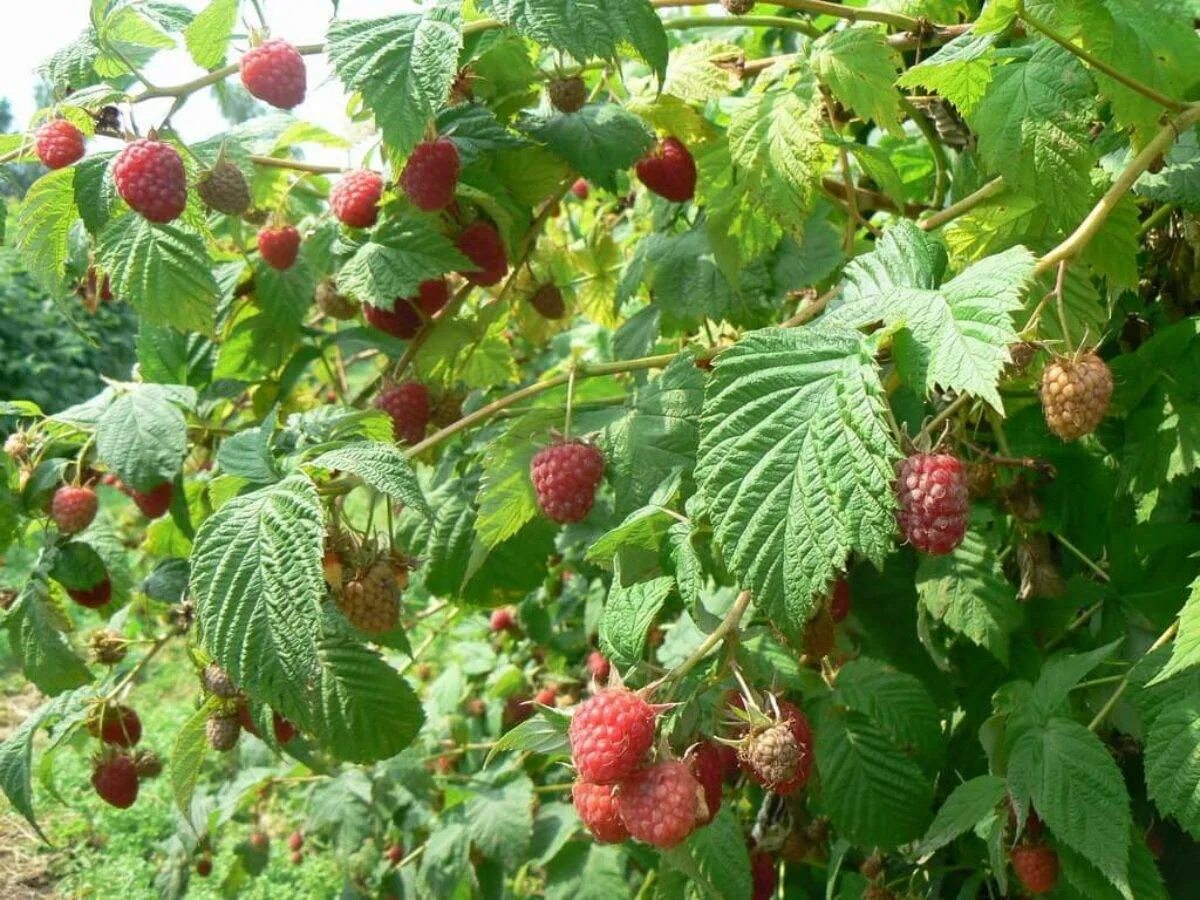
(874, 794)
(587, 28)
(628, 615)
(95, 194)
(796, 462)
(598, 141)
(42, 225)
(1185, 649)
(507, 499)
(545, 733)
(45, 654)
(1058, 764)
(164, 272)
(1179, 179)
(1060, 675)
(500, 817)
(142, 435)
(719, 853)
(78, 566)
(643, 529)
(207, 36)
(187, 755)
(968, 805)
(961, 71)
(895, 701)
(1173, 764)
(382, 466)
(957, 336)
(401, 254)
(475, 131)
(695, 73)
(858, 66)
(587, 871)
(445, 864)
(403, 66)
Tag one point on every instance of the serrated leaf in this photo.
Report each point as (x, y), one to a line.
(1173, 765)
(968, 804)
(445, 864)
(42, 225)
(475, 131)
(403, 66)
(719, 853)
(598, 140)
(507, 499)
(400, 254)
(500, 817)
(796, 462)
(207, 36)
(1185, 649)
(960, 71)
(858, 66)
(142, 436)
(544, 733)
(43, 651)
(1060, 675)
(895, 701)
(1179, 179)
(628, 615)
(695, 72)
(642, 529)
(187, 755)
(382, 466)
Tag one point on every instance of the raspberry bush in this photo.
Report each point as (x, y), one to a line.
(658, 450)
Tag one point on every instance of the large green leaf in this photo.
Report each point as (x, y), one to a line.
(858, 66)
(628, 615)
(796, 462)
(142, 435)
(1185, 649)
(960, 71)
(42, 225)
(187, 755)
(43, 651)
(1173, 764)
(719, 854)
(382, 466)
(207, 37)
(895, 701)
(968, 804)
(500, 816)
(598, 141)
(400, 254)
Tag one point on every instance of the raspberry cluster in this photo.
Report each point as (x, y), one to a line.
(932, 490)
(565, 477)
(431, 174)
(73, 508)
(1036, 867)
(279, 247)
(355, 199)
(481, 243)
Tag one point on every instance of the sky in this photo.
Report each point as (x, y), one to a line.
(36, 29)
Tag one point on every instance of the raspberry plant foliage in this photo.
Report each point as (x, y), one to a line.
(876, 228)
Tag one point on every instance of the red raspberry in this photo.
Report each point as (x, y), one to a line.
(274, 72)
(548, 301)
(284, 730)
(204, 866)
(839, 602)
(597, 808)
(295, 840)
(408, 405)
(764, 874)
(707, 764)
(154, 502)
(279, 247)
(503, 619)
(297, 858)
(598, 666)
(660, 805)
(401, 321)
(1036, 867)
(546, 696)
(482, 245)
(73, 508)
(610, 733)
(150, 177)
(729, 762)
(118, 725)
(669, 171)
(932, 489)
(395, 853)
(565, 477)
(432, 295)
(580, 188)
(355, 199)
(260, 841)
(431, 174)
(92, 597)
(58, 144)
(780, 756)
(115, 780)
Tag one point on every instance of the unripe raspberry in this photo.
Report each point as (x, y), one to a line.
(568, 95)
(107, 646)
(610, 732)
(1075, 395)
(222, 732)
(669, 171)
(115, 780)
(154, 502)
(598, 666)
(548, 301)
(274, 73)
(764, 874)
(16, 445)
(503, 619)
(738, 7)
(1036, 867)
(401, 321)
(482, 245)
(839, 602)
(780, 755)
(150, 177)
(707, 764)
(147, 763)
(408, 405)
(217, 682)
(371, 602)
(432, 296)
(224, 189)
(355, 199)
(73, 508)
(580, 188)
(279, 247)
(58, 143)
(660, 805)
(431, 174)
(332, 303)
(92, 597)
(117, 725)
(932, 491)
(597, 809)
(565, 477)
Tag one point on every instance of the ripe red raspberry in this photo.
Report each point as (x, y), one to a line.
(282, 728)
(932, 490)
(660, 805)
(839, 601)
(597, 809)
(1036, 866)
(580, 188)
(598, 666)
(1075, 395)
(546, 696)
(295, 840)
(565, 477)
(260, 841)
(669, 171)
(568, 95)
(118, 725)
(432, 295)
(764, 874)
(274, 72)
(503, 618)
(548, 301)
(408, 405)
(154, 502)
(92, 597)
(58, 144)
(610, 733)
(395, 853)
(115, 780)
(355, 199)
(296, 858)
(482, 245)
(222, 732)
(708, 766)
(401, 321)
(224, 189)
(431, 174)
(780, 755)
(279, 247)
(204, 866)
(73, 508)
(150, 178)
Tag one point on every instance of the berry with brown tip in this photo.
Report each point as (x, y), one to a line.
(565, 477)
(204, 866)
(58, 143)
(224, 189)
(92, 597)
(580, 188)
(1036, 867)
(708, 766)
(73, 508)
(610, 733)
(115, 780)
(503, 618)
(147, 763)
(355, 199)
(217, 681)
(1075, 395)
(779, 756)
(597, 809)
(660, 805)
(568, 95)
(150, 177)
(932, 491)
(401, 321)
(481, 244)
(408, 405)
(222, 732)
(371, 602)
(334, 304)
(117, 725)
(107, 647)
(764, 874)
(839, 601)
(279, 247)
(548, 301)
(431, 174)
(154, 502)
(669, 171)
(274, 73)
(738, 7)
(598, 666)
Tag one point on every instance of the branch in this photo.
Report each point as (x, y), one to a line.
(1116, 695)
(801, 25)
(297, 165)
(963, 206)
(190, 87)
(728, 624)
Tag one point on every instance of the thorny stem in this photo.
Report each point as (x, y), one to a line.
(1116, 695)
(955, 405)
(133, 673)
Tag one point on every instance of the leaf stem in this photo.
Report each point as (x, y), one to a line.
(940, 164)
(1082, 557)
(963, 206)
(1116, 695)
(801, 25)
(728, 624)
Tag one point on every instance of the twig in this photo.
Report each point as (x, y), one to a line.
(728, 624)
(963, 206)
(210, 78)
(1123, 686)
